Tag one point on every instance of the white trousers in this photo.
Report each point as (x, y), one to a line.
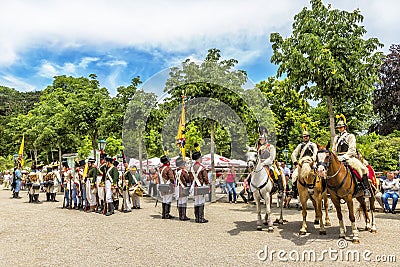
(127, 201)
(108, 192)
(199, 200)
(182, 201)
(167, 198)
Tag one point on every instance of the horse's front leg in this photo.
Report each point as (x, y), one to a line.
(268, 212)
(352, 218)
(326, 206)
(258, 204)
(318, 211)
(336, 202)
(303, 201)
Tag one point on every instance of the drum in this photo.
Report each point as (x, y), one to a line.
(201, 190)
(184, 191)
(36, 186)
(165, 188)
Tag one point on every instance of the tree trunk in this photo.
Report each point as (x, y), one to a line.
(331, 119)
(94, 144)
(213, 196)
(140, 151)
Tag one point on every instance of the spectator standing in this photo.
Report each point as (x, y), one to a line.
(230, 184)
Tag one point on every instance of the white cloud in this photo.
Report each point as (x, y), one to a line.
(86, 61)
(13, 82)
(47, 70)
(173, 26)
(113, 63)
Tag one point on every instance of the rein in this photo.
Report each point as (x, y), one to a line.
(257, 171)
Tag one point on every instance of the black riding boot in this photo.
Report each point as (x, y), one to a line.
(37, 198)
(168, 210)
(185, 218)
(366, 186)
(116, 204)
(30, 198)
(47, 197)
(180, 211)
(101, 207)
(54, 197)
(196, 213)
(201, 214)
(110, 207)
(163, 211)
(280, 187)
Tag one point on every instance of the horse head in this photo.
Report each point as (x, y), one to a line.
(252, 158)
(306, 172)
(325, 158)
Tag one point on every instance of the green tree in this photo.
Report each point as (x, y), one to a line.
(328, 58)
(387, 94)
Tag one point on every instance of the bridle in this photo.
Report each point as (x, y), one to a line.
(255, 164)
(304, 184)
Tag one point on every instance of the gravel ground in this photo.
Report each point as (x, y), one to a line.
(46, 235)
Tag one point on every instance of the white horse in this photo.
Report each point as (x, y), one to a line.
(261, 186)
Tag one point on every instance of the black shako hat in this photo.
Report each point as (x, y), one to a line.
(196, 155)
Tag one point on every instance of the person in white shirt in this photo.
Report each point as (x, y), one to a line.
(391, 187)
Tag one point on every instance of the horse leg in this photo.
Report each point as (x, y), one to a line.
(259, 222)
(350, 206)
(268, 212)
(281, 207)
(326, 206)
(372, 209)
(303, 199)
(317, 219)
(363, 206)
(336, 203)
(318, 211)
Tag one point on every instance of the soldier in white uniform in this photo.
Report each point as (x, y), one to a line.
(57, 182)
(267, 154)
(344, 146)
(91, 188)
(305, 149)
(199, 178)
(68, 180)
(102, 170)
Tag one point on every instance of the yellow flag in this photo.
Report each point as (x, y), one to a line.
(21, 148)
(85, 171)
(181, 136)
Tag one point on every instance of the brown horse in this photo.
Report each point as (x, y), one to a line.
(342, 185)
(311, 186)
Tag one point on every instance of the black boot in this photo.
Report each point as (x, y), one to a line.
(17, 195)
(280, 187)
(185, 218)
(37, 198)
(110, 207)
(101, 207)
(30, 198)
(168, 210)
(54, 197)
(163, 211)
(116, 204)
(201, 214)
(47, 197)
(366, 186)
(196, 213)
(180, 213)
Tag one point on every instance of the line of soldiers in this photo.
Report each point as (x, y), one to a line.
(183, 183)
(100, 188)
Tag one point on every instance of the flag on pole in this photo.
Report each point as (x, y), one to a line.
(21, 150)
(181, 136)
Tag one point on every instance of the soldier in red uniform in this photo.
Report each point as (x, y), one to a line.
(199, 178)
(167, 177)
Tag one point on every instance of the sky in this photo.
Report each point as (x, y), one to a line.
(119, 40)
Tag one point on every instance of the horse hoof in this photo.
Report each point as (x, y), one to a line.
(328, 224)
(270, 230)
(316, 221)
(280, 221)
(322, 232)
(373, 231)
(356, 241)
(259, 228)
(302, 233)
(265, 223)
(342, 236)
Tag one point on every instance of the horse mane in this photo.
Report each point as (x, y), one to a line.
(305, 169)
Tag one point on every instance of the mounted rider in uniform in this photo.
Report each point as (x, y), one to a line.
(344, 146)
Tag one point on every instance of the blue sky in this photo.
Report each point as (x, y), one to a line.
(119, 40)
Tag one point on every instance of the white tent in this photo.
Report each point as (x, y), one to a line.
(219, 161)
(152, 162)
(238, 163)
(134, 162)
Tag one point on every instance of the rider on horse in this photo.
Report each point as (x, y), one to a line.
(267, 153)
(304, 149)
(344, 146)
